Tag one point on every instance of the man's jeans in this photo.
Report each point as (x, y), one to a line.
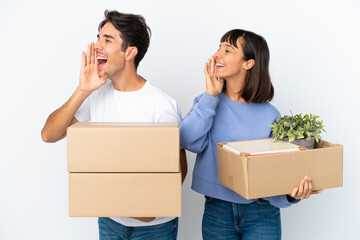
(111, 230)
(227, 221)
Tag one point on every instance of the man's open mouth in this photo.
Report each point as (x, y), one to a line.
(101, 61)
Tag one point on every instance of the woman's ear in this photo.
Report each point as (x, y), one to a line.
(131, 53)
(249, 64)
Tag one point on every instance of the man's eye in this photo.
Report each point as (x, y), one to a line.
(107, 40)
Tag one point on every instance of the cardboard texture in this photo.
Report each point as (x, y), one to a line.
(278, 173)
(123, 147)
(125, 194)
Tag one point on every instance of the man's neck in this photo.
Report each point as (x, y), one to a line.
(127, 81)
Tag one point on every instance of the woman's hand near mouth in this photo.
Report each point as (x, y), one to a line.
(91, 78)
(214, 85)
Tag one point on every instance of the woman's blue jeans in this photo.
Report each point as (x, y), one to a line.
(111, 230)
(227, 221)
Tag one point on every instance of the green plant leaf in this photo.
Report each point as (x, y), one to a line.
(297, 127)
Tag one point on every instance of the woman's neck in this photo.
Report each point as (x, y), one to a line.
(234, 89)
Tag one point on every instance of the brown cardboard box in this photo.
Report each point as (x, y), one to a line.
(123, 147)
(125, 194)
(277, 174)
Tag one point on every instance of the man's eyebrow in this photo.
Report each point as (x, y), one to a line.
(106, 36)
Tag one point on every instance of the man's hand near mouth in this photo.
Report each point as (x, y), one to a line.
(91, 78)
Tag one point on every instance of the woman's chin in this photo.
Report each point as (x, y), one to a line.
(219, 75)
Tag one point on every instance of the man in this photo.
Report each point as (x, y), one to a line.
(123, 40)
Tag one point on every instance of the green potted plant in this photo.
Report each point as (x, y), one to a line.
(298, 129)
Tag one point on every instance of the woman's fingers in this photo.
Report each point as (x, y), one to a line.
(301, 189)
(305, 189)
(294, 192)
(212, 66)
(309, 189)
(208, 64)
(317, 191)
(221, 82)
(207, 76)
(213, 85)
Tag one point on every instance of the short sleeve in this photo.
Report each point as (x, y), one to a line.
(171, 113)
(83, 113)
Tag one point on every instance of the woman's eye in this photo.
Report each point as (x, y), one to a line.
(227, 51)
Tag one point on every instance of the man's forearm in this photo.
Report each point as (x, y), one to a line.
(56, 124)
(183, 164)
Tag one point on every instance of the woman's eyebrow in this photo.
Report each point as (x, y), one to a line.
(229, 45)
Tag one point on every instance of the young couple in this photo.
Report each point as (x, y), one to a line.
(234, 107)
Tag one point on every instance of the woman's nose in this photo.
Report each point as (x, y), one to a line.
(217, 54)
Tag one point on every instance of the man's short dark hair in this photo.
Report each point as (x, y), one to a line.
(133, 31)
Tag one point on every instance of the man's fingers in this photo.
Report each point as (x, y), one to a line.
(92, 59)
(96, 61)
(88, 54)
(83, 59)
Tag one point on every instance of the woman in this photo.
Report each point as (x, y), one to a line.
(235, 107)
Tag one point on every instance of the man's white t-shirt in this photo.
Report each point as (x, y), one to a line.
(148, 104)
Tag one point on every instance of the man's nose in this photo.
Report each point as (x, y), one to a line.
(97, 45)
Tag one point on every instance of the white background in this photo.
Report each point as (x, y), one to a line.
(314, 68)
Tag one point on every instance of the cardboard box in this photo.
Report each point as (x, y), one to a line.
(123, 147)
(125, 194)
(279, 173)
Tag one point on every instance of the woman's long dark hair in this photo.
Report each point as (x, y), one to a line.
(257, 87)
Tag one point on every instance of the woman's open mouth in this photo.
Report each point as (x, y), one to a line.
(219, 66)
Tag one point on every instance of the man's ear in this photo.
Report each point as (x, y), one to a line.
(131, 53)
(249, 64)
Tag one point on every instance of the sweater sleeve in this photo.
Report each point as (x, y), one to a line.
(195, 127)
(281, 201)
